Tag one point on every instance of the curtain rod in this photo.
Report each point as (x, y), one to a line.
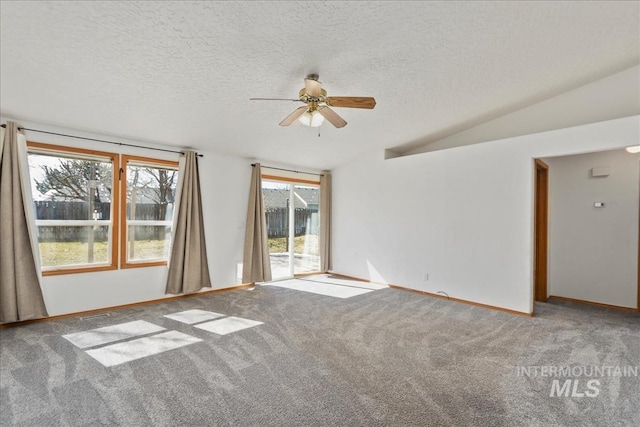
(100, 140)
(289, 170)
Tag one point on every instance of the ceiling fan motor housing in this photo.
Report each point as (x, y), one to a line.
(305, 97)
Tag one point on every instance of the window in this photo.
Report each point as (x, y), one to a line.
(84, 219)
(147, 215)
(73, 193)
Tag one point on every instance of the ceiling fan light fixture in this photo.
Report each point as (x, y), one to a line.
(319, 106)
(312, 119)
(633, 149)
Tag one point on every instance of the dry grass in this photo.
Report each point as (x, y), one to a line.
(55, 254)
(280, 245)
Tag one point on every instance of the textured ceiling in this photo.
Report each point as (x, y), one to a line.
(182, 73)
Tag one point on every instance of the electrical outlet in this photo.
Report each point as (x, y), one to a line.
(425, 277)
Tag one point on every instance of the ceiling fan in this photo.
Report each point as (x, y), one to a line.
(318, 104)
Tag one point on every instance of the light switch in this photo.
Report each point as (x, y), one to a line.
(598, 204)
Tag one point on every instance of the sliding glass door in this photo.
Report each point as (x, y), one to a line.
(276, 196)
(306, 253)
(291, 211)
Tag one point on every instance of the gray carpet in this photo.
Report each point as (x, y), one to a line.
(385, 358)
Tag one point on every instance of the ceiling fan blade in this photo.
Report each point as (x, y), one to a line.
(352, 102)
(274, 99)
(332, 116)
(293, 116)
(312, 87)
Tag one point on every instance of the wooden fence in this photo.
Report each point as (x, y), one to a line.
(61, 210)
(80, 210)
(277, 220)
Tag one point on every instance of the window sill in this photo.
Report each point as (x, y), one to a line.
(143, 264)
(78, 270)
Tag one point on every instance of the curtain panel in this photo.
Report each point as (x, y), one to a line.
(256, 265)
(325, 222)
(188, 265)
(20, 289)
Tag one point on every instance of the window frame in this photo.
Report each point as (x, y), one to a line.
(118, 217)
(38, 147)
(125, 158)
(293, 182)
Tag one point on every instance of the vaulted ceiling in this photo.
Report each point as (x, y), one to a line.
(182, 73)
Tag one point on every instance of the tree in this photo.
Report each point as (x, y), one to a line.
(91, 181)
(154, 185)
(79, 180)
(70, 180)
(148, 184)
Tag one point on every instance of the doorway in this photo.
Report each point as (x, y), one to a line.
(292, 216)
(541, 221)
(586, 247)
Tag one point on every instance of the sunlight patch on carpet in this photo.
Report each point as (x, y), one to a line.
(194, 316)
(228, 325)
(327, 278)
(326, 289)
(128, 351)
(109, 334)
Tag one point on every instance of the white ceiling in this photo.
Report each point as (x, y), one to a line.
(182, 73)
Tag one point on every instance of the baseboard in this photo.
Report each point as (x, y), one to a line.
(119, 307)
(313, 273)
(430, 294)
(358, 279)
(464, 301)
(597, 304)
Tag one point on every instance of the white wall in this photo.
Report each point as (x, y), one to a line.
(612, 97)
(463, 215)
(225, 186)
(593, 252)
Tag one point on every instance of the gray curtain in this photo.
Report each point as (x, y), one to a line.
(20, 291)
(256, 265)
(188, 267)
(325, 222)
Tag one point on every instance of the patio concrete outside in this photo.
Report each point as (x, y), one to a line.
(302, 264)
